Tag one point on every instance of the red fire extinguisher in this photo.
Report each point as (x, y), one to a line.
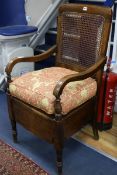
(107, 99)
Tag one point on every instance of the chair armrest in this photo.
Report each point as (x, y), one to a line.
(78, 76)
(36, 58)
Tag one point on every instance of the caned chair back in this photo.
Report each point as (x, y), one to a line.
(82, 35)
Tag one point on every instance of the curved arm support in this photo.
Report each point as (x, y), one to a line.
(36, 58)
(78, 76)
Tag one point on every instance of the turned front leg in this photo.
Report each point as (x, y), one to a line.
(59, 135)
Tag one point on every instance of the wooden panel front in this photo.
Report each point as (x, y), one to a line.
(33, 120)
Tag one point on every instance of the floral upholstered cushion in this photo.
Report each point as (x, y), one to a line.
(36, 88)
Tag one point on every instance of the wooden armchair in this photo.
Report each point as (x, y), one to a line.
(54, 103)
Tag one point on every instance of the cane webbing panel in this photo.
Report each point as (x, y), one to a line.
(80, 38)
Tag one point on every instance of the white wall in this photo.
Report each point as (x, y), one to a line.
(35, 9)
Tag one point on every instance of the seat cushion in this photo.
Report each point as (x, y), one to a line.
(36, 88)
(17, 30)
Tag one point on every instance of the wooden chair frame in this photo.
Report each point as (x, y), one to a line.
(56, 128)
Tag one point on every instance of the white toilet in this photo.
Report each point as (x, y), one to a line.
(15, 35)
(14, 43)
